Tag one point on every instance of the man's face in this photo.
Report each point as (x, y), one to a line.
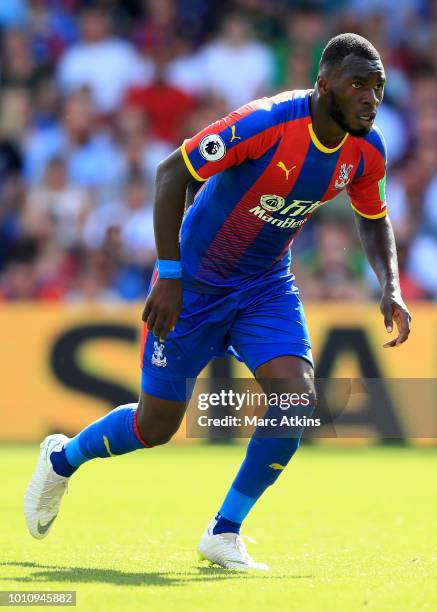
(355, 90)
(94, 25)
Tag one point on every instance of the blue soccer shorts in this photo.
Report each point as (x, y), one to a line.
(255, 324)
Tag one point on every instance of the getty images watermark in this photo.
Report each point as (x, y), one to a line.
(241, 408)
(241, 401)
(323, 408)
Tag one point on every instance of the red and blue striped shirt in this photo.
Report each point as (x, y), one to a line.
(265, 174)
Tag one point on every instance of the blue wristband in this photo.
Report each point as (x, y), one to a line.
(168, 268)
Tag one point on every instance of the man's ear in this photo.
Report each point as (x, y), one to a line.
(322, 85)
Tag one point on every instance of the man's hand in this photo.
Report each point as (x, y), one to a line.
(393, 309)
(163, 307)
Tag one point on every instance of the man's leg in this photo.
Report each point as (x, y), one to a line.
(169, 370)
(266, 457)
(270, 336)
(127, 428)
(124, 429)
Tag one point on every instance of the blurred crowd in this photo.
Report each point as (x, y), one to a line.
(94, 94)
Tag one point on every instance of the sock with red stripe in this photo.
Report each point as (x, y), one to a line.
(114, 434)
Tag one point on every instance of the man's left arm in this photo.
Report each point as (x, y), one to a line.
(379, 244)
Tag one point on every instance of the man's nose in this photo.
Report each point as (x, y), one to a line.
(370, 97)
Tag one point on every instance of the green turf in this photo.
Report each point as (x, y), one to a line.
(342, 530)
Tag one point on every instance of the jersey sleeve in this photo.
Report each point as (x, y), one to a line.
(246, 133)
(367, 190)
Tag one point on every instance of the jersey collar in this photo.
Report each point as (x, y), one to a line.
(321, 147)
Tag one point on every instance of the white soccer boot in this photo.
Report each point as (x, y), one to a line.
(227, 550)
(44, 493)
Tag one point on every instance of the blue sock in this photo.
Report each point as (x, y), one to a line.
(223, 525)
(114, 434)
(265, 460)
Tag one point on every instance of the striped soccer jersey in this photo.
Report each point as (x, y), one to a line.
(265, 173)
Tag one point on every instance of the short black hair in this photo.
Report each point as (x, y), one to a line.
(343, 45)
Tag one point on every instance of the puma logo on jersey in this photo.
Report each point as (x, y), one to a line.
(287, 171)
(234, 136)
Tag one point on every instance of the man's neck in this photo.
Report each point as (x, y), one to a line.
(325, 128)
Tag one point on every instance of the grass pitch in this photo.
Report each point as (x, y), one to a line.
(342, 530)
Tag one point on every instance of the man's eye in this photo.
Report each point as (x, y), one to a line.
(380, 86)
(356, 84)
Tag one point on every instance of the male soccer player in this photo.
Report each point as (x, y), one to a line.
(223, 276)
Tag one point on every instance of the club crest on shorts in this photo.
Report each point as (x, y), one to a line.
(212, 148)
(344, 176)
(158, 358)
(272, 202)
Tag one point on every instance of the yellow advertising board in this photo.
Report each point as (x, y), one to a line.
(63, 366)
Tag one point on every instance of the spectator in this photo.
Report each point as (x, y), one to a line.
(20, 280)
(18, 66)
(297, 70)
(411, 287)
(89, 150)
(421, 263)
(92, 287)
(53, 28)
(167, 107)
(133, 214)
(128, 224)
(85, 117)
(396, 135)
(106, 65)
(18, 75)
(157, 32)
(56, 210)
(299, 53)
(185, 70)
(14, 14)
(140, 151)
(235, 66)
(137, 237)
(335, 270)
(15, 113)
(12, 195)
(46, 103)
(393, 22)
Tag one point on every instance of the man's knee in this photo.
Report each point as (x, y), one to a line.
(291, 379)
(157, 438)
(152, 431)
(158, 420)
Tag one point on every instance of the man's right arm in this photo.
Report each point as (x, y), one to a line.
(164, 303)
(245, 133)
